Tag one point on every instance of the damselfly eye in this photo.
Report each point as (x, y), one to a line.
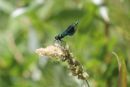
(57, 38)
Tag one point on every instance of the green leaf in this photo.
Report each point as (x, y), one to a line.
(122, 77)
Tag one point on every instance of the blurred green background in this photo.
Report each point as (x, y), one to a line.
(101, 43)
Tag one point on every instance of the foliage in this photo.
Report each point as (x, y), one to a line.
(26, 25)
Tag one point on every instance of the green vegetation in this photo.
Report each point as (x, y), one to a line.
(101, 42)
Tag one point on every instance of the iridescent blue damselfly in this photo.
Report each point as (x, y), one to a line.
(68, 32)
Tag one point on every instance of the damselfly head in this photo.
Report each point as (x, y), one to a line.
(57, 37)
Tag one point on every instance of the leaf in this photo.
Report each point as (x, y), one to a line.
(122, 80)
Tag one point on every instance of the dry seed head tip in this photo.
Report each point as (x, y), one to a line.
(50, 51)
